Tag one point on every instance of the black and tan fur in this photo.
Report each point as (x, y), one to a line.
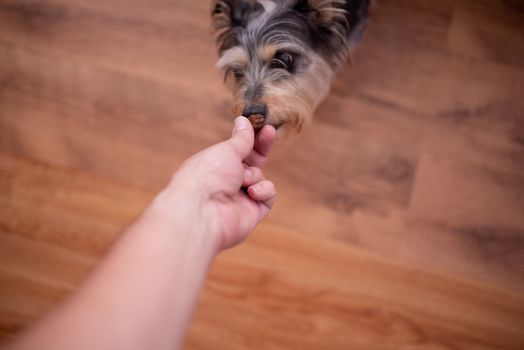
(279, 57)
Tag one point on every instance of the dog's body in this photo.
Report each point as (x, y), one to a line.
(279, 57)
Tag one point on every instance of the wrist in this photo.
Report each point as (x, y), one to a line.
(179, 216)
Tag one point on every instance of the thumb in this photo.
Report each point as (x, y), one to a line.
(243, 138)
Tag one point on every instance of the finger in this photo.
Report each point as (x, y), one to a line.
(243, 138)
(263, 144)
(263, 191)
(265, 139)
(252, 175)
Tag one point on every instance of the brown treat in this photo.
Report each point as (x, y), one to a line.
(257, 120)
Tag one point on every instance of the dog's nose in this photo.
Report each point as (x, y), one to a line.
(255, 109)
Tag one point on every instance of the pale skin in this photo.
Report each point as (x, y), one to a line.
(143, 294)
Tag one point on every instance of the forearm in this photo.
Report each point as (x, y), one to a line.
(143, 293)
(141, 296)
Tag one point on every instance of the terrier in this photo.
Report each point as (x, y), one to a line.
(280, 57)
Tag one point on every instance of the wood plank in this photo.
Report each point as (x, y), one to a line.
(498, 42)
(89, 103)
(64, 206)
(113, 34)
(302, 292)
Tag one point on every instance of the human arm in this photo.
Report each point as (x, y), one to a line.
(143, 293)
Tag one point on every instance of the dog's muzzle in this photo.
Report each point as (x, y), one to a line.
(256, 109)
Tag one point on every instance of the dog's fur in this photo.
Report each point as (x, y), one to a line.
(279, 57)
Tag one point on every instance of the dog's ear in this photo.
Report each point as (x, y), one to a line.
(328, 21)
(323, 12)
(230, 16)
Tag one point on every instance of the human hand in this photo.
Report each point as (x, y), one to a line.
(164, 255)
(208, 191)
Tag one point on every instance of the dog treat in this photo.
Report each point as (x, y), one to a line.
(257, 120)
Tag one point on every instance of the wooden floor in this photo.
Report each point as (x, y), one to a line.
(400, 217)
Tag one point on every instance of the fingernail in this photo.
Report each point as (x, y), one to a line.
(241, 123)
(257, 188)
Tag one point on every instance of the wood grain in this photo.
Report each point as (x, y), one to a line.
(400, 217)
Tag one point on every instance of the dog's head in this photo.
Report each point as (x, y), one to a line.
(279, 57)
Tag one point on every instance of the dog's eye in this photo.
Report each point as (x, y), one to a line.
(237, 73)
(282, 60)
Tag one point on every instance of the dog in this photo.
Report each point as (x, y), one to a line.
(280, 57)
